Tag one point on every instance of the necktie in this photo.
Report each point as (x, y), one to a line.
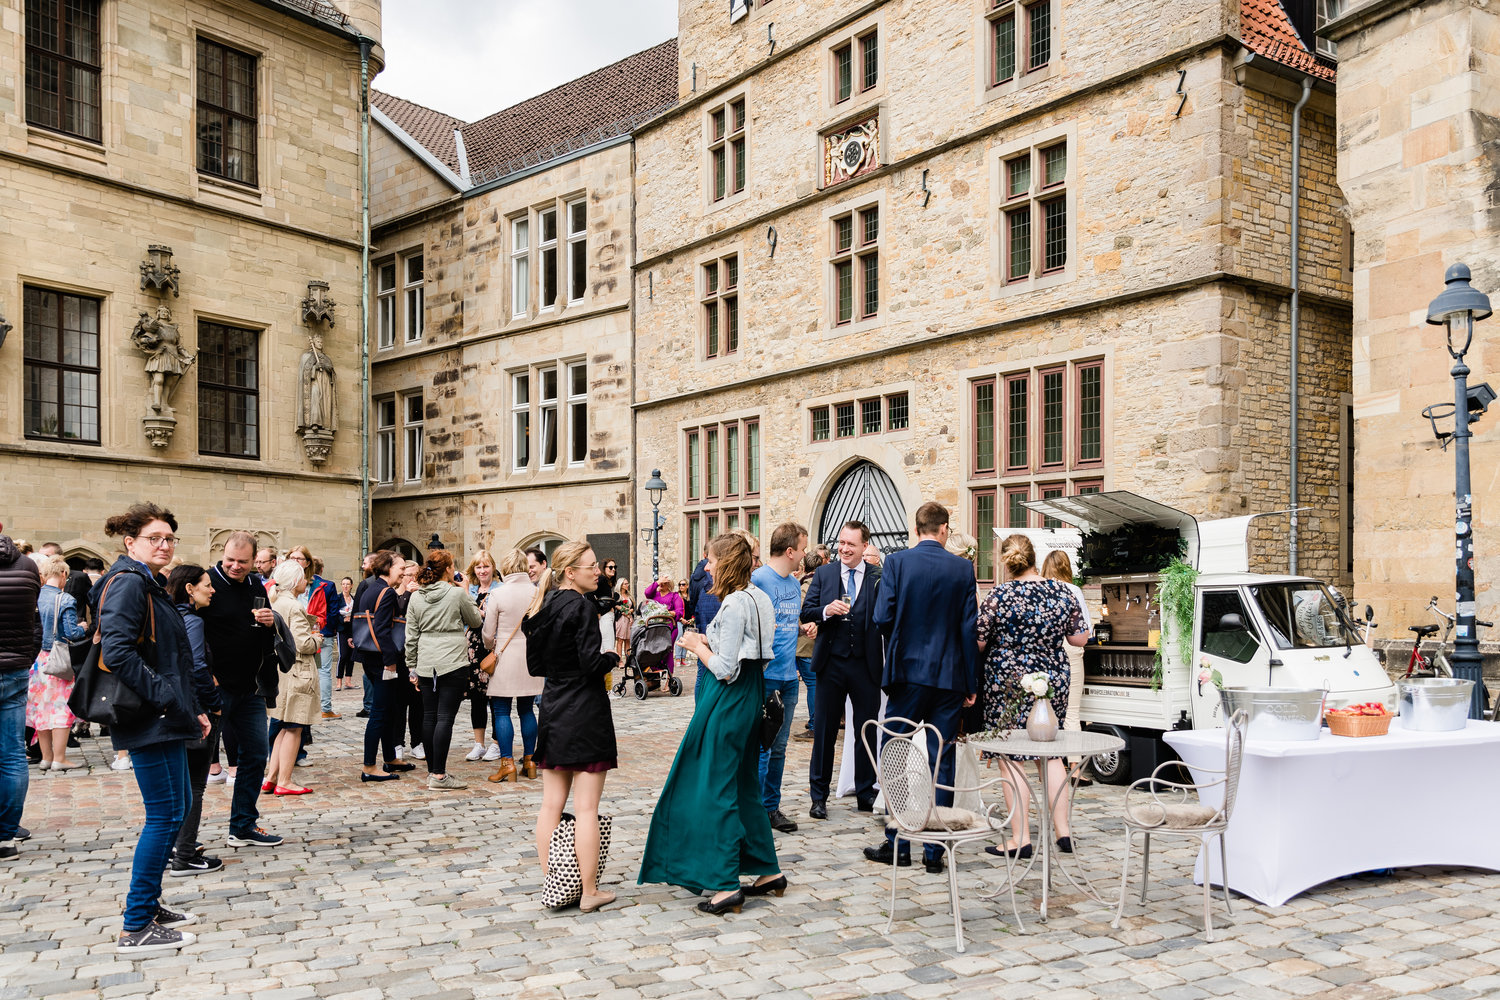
(850, 588)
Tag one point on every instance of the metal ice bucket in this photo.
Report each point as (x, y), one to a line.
(1277, 713)
(1434, 704)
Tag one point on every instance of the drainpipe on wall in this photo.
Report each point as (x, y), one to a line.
(364, 295)
(1296, 301)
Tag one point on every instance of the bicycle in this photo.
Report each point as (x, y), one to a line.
(1419, 665)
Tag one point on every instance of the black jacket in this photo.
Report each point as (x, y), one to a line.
(160, 670)
(237, 646)
(204, 687)
(576, 726)
(834, 633)
(20, 622)
(385, 614)
(605, 597)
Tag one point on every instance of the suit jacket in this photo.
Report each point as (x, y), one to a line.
(928, 611)
(825, 588)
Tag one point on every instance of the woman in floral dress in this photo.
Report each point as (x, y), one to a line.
(1022, 627)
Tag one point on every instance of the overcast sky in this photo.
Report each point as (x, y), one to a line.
(470, 58)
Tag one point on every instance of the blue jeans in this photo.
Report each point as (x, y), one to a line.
(809, 681)
(14, 778)
(328, 656)
(245, 717)
(505, 734)
(773, 761)
(161, 772)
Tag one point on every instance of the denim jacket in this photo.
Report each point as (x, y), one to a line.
(67, 618)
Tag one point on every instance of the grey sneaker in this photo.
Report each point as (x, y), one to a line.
(152, 937)
(447, 782)
(166, 918)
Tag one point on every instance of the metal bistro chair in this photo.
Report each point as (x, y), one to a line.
(910, 786)
(1155, 805)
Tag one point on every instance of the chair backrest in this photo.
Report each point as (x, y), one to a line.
(907, 779)
(1234, 753)
(966, 776)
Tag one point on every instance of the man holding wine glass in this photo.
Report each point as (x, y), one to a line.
(847, 660)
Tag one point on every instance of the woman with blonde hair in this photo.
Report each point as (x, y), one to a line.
(297, 694)
(575, 745)
(712, 798)
(510, 682)
(1057, 566)
(483, 581)
(1023, 625)
(47, 694)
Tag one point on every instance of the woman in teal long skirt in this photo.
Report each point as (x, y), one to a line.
(709, 826)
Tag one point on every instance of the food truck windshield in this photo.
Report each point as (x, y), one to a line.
(1303, 615)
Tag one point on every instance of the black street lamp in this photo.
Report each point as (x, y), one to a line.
(656, 487)
(1458, 307)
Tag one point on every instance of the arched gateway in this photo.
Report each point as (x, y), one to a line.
(865, 493)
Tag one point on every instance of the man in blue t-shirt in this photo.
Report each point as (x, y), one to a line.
(788, 546)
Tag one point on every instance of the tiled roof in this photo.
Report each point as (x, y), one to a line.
(605, 103)
(433, 129)
(1267, 31)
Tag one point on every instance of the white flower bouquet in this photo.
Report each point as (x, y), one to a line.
(1036, 684)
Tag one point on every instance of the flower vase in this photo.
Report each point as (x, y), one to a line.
(1041, 724)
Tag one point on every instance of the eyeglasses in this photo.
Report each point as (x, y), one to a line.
(298, 556)
(158, 541)
(592, 565)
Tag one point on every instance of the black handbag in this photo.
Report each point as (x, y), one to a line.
(98, 694)
(773, 709)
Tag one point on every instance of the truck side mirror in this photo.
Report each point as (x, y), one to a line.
(1231, 623)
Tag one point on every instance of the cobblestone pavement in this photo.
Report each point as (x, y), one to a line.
(395, 891)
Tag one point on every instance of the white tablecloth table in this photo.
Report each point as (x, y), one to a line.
(1311, 811)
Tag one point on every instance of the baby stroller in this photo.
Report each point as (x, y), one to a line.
(648, 663)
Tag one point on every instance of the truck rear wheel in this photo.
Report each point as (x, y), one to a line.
(1111, 768)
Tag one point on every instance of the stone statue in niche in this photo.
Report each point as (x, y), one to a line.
(316, 409)
(157, 338)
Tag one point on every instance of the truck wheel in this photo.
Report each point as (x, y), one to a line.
(1112, 768)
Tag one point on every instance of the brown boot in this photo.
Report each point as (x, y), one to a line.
(506, 771)
(528, 767)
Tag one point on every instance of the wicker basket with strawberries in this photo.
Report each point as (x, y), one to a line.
(1370, 719)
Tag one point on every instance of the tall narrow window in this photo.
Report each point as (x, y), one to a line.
(856, 265)
(415, 299)
(1003, 52)
(721, 307)
(694, 542)
(1020, 38)
(869, 57)
(694, 465)
(711, 332)
(548, 411)
(1034, 222)
(984, 534)
(1089, 448)
(227, 121)
(820, 428)
(1017, 424)
(869, 416)
(727, 149)
(547, 245)
(228, 390)
(385, 440)
(984, 427)
(520, 419)
(1053, 405)
(1039, 34)
(578, 413)
(578, 249)
(63, 67)
(843, 73)
(520, 267)
(711, 461)
(896, 415)
(731, 460)
(1051, 491)
(412, 436)
(1016, 514)
(752, 459)
(62, 366)
(731, 304)
(752, 523)
(385, 304)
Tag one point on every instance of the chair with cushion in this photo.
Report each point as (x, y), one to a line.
(908, 781)
(1165, 808)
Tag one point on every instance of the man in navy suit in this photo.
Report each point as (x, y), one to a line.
(928, 611)
(846, 660)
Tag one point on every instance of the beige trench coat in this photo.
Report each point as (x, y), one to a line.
(297, 696)
(503, 612)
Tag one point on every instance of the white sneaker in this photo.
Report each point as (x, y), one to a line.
(417, 753)
(213, 779)
(476, 753)
(123, 764)
(400, 752)
(493, 753)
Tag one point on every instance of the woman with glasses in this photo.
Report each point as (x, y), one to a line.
(145, 644)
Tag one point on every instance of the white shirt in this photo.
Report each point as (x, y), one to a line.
(859, 580)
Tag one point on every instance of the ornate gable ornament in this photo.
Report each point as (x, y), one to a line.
(158, 271)
(852, 150)
(319, 305)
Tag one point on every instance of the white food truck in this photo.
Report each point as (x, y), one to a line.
(1248, 630)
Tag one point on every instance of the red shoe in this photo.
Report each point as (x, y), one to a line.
(283, 790)
(267, 786)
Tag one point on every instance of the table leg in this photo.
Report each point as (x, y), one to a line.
(1045, 847)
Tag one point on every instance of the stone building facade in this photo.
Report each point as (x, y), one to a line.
(502, 335)
(1417, 152)
(984, 252)
(227, 132)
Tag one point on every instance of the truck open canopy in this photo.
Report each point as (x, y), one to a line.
(1101, 513)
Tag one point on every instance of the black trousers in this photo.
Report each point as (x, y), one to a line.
(839, 680)
(197, 764)
(440, 698)
(387, 710)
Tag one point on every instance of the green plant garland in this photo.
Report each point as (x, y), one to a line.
(1175, 595)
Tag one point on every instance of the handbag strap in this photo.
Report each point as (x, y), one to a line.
(99, 631)
(56, 614)
(507, 641)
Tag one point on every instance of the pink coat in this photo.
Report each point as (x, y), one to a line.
(671, 600)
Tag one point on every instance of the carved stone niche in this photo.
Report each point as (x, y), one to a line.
(319, 305)
(318, 444)
(158, 271)
(851, 150)
(264, 539)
